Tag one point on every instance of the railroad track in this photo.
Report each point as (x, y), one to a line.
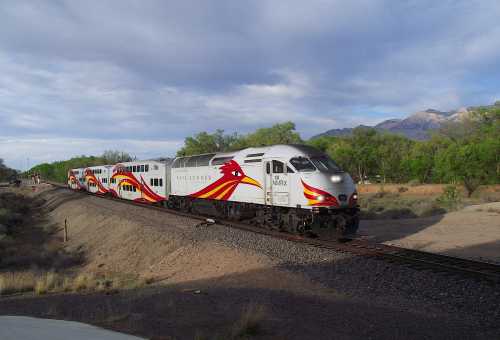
(414, 258)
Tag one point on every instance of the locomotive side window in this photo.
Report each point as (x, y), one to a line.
(278, 167)
(325, 164)
(302, 164)
(268, 168)
(204, 160)
(289, 170)
(221, 160)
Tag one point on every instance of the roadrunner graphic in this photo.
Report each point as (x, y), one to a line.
(124, 177)
(318, 197)
(74, 180)
(223, 188)
(90, 178)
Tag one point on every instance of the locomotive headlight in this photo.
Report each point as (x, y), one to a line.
(321, 198)
(336, 179)
(354, 196)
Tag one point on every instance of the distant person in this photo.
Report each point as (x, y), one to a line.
(38, 178)
(32, 178)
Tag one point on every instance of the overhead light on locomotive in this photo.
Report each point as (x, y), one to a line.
(336, 179)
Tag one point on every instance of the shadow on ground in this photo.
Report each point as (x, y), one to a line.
(29, 242)
(213, 309)
(389, 230)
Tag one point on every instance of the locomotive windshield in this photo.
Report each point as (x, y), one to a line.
(325, 164)
(302, 164)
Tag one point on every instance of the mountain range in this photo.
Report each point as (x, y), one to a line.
(416, 126)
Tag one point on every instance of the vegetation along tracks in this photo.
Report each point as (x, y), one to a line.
(415, 258)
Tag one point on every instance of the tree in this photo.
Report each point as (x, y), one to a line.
(390, 151)
(114, 156)
(283, 133)
(323, 143)
(204, 142)
(6, 173)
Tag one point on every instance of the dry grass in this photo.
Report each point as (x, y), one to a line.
(51, 282)
(250, 322)
(11, 283)
(84, 282)
(47, 282)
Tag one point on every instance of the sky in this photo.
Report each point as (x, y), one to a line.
(81, 77)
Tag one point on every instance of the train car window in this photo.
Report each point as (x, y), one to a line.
(302, 164)
(134, 168)
(255, 154)
(146, 167)
(221, 160)
(289, 170)
(257, 160)
(142, 168)
(156, 182)
(161, 182)
(151, 181)
(278, 167)
(204, 160)
(190, 162)
(268, 168)
(325, 164)
(135, 189)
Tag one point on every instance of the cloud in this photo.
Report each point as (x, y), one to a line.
(162, 70)
(39, 149)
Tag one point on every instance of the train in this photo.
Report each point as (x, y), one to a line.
(292, 188)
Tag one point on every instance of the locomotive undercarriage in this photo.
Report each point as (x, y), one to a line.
(294, 220)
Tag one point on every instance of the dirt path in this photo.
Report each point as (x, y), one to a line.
(473, 232)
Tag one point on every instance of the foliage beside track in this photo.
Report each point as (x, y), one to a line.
(204, 142)
(6, 173)
(58, 171)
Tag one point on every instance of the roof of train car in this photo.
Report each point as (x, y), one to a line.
(279, 150)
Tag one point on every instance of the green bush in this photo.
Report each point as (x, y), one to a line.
(450, 197)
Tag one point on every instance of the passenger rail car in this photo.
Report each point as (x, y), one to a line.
(287, 187)
(140, 181)
(76, 179)
(97, 179)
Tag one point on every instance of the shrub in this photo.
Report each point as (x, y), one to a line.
(11, 283)
(46, 283)
(250, 322)
(450, 197)
(414, 182)
(402, 189)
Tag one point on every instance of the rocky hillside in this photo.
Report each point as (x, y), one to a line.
(416, 126)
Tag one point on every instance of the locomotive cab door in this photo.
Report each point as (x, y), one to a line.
(277, 184)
